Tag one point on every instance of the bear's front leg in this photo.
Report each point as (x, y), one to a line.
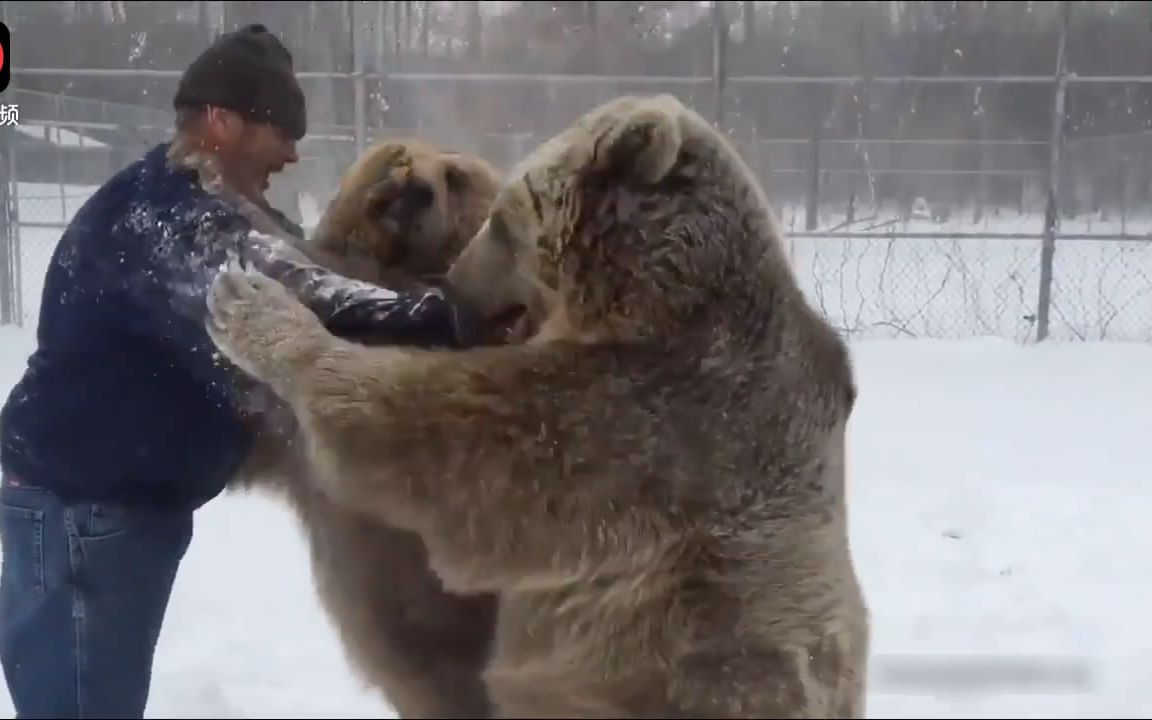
(258, 325)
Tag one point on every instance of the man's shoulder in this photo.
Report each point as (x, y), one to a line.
(150, 183)
(170, 187)
(151, 195)
(151, 216)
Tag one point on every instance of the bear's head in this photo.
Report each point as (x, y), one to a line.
(406, 207)
(632, 223)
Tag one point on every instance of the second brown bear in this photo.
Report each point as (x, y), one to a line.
(402, 213)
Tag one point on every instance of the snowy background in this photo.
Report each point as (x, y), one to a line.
(999, 487)
(999, 503)
(999, 507)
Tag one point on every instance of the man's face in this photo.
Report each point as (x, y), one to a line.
(266, 149)
(250, 152)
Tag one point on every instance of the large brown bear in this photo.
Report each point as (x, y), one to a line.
(402, 213)
(654, 482)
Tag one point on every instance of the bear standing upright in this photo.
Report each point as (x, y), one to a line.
(400, 216)
(654, 482)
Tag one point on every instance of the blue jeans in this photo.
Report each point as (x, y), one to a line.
(83, 592)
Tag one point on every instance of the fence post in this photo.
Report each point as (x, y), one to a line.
(7, 266)
(1052, 207)
(812, 197)
(719, 60)
(12, 239)
(358, 80)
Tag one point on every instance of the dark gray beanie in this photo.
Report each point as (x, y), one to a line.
(248, 71)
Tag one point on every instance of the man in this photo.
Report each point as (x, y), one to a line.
(125, 421)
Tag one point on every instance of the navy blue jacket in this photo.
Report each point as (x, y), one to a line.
(125, 398)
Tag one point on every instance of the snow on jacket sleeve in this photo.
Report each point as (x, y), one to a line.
(370, 314)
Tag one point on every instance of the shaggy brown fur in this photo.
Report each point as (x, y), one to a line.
(403, 208)
(654, 483)
(404, 211)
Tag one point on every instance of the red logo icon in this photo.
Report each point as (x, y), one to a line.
(5, 57)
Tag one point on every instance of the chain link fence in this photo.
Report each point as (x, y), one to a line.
(63, 148)
(890, 237)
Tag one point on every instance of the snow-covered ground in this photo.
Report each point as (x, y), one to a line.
(999, 504)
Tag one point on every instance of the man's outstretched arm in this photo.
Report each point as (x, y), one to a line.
(363, 312)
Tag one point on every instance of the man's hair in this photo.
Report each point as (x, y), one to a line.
(188, 117)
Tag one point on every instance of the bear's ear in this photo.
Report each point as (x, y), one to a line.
(643, 141)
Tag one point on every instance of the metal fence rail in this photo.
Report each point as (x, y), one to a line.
(1044, 258)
